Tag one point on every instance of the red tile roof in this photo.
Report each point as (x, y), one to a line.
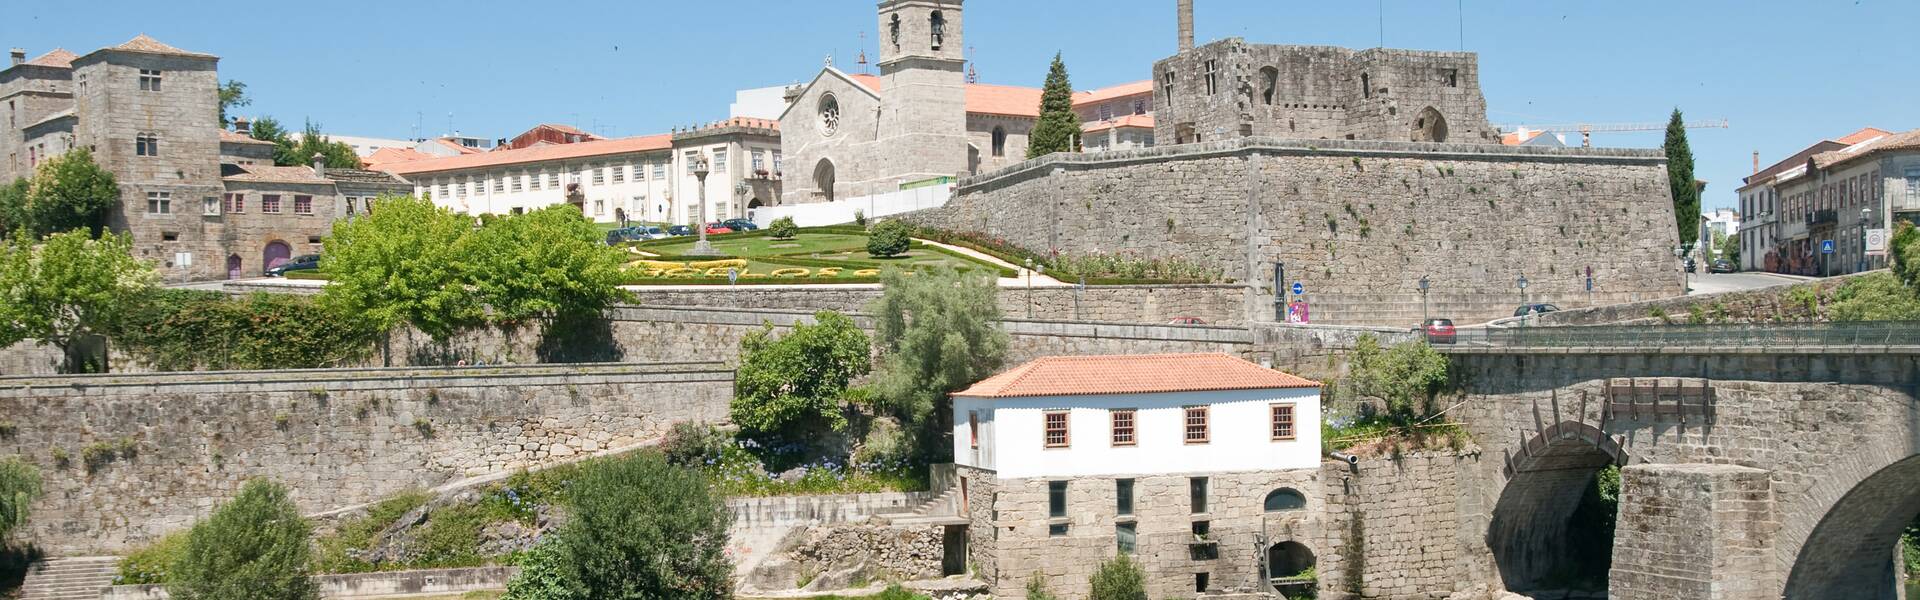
(1016, 101)
(1519, 137)
(535, 154)
(1109, 93)
(394, 155)
(566, 129)
(1123, 122)
(1909, 140)
(142, 43)
(272, 174)
(1863, 135)
(1132, 374)
(59, 57)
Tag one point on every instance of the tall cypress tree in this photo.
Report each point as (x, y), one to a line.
(1686, 190)
(1058, 125)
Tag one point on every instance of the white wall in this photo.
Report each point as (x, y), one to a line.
(841, 211)
(1012, 432)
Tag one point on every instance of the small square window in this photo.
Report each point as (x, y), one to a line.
(1282, 422)
(1057, 529)
(1197, 494)
(210, 206)
(303, 205)
(160, 203)
(313, 239)
(1056, 429)
(169, 236)
(1196, 425)
(149, 80)
(1123, 419)
(270, 203)
(1057, 499)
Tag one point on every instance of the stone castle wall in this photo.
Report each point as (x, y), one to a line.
(128, 457)
(1357, 223)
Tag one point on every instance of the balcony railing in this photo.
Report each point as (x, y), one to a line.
(1825, 216)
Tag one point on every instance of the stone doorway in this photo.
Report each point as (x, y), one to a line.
(953, 543)
(823, 180)
(276, 252)
(233, 266)
(1429, 126)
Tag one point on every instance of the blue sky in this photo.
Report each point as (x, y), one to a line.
(1784, 73)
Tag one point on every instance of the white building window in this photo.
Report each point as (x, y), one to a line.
(776, 161)
(159, 203)
(759, 161)
(599, 207)
(720, 161)
(599, 174)
(499, 185)
(519, 182)
(660, 169)
(443, 189)
(553, 180)
(1913, 185)
(149, 80)
(620, 173)
(689, 160)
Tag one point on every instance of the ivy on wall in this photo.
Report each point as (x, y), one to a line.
(182, 330)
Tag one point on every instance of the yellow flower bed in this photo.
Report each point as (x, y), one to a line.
(794, 272)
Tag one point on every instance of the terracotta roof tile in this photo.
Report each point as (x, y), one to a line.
(535, 154)
(983, 98)
(142, 43)
(1909, 140)
(1862, 135)
(1132, 374)
(59, 57)
(1122, 122)
(1109, 93)
(270, 174)
(394, 155)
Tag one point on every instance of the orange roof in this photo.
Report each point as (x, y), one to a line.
(1119, 91)
(565, 129)
(59, 57)
(1519, 137)
(1122, 122)
(1863, 135)
(142, 43)
(393, 155)
(1909, 140)
(1132, 374)
(534, 154)
(985, 99)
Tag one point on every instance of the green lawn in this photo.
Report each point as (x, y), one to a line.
(749, 247)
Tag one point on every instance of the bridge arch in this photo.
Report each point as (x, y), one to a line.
(1549, 483)
(1850, 552)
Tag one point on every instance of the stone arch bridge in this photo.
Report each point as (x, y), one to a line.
(1771, 468)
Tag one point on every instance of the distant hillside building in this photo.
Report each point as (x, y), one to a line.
(199, 201)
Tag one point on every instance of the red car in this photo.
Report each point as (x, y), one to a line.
(717, 229)
(1438, 331)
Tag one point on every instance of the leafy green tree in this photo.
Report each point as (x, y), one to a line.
(937, 333)
(19, 486)
(891, 237)
(1405, 376)
(68, 290)
(1876, 297)
(233, 94)
(783, 228)
(642, 528)
(70, 192)
(401, 264)
(338, 155)
(253, 548)
(1118, 579)
(268, 129)
(551, 263)
(1730, 248)
(1686, 189)
(1058, 125)
(796, 383)
(13, 206)
(1905, 248)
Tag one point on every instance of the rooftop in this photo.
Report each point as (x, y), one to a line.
(231, 137)
(1132, 374)
(147, 45)
(1121, 122)
(1017, 101)
(271, 174)
(535, 154)
(1909, 140)
(59, 58)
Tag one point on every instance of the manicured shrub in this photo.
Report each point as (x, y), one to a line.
(889, 238)
(253, 548)
(153, 563)
(783, 228)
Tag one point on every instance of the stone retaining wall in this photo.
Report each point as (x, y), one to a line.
(788, 511)
(126, 458)
(1358, 223)
(1769, 304)
(368, 585)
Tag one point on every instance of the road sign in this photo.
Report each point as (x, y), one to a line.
(733, 276)
(1876, 242)
(1826, 246)
(1299, 289)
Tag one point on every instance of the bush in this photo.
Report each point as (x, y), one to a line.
(1405, 376)
(889, 238)
(338, 552)
(153, 563)
(694, 445)
(1037, 588)
(543, 575)
(643, 528)
(795, 383)
(253, 548)
(783, 228)
(1118, 579)
(1876, 297)
(860, 218)
(19, 486)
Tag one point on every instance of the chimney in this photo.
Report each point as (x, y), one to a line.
(1756, 162)
(1186, 25)
(319, 165)
(242, 126)
(19, 55)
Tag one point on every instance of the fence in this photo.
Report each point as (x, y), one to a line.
(841, 211)
(1731, 337)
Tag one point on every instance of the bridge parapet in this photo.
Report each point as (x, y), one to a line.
(1873, 337)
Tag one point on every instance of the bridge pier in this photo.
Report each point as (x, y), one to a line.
(1695, 532)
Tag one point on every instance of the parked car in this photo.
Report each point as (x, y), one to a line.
(1720, 266)
(1187, 321)
(305, 262)
(651, 232)
(740, 224)
(717, 228)
(679, 230)
(1534, 309)
(1438, 331)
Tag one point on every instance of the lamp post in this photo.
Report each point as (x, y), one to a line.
(700, 171)
(1522, 283)
(1866, 213)
(1424, 285)
(1029, 288)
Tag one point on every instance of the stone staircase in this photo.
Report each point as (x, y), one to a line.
(943, 509)
(78, 578)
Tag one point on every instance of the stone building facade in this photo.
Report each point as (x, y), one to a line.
(149, 113)
(1838, 195)
(1231, 88)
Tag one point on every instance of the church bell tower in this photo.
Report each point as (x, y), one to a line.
(923, 106)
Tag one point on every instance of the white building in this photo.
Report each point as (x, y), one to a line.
(362, 145)
(759, 103)
(1724, 221)
(643, 178)
(1081, 416)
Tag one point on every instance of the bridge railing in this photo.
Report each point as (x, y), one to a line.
(1730, 336)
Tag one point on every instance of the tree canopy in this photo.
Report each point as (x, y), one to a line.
(1686, 189)
(67, 288)
(288, 152)
(13, 206)
(799, 379)
(19, 487)
(67, 192)
(937, 332)
(255, 547)
(401, 264)
(549, 263)
(891, 237)
(1058, 126)
(233, 94)
(638, 527)
(1118, 578)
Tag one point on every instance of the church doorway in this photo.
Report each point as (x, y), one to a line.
(233, 266)
(823, 180)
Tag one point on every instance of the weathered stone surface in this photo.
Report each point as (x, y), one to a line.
(1694, 531)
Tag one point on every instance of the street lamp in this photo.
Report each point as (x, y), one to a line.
(1522, 282)
(700, 171)
(1866, 214)
(1029, 288)
(1424, 284)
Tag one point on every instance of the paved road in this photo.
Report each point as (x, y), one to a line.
(1709, 283)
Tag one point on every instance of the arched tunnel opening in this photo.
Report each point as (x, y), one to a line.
(1553, 526)
(1867, 546)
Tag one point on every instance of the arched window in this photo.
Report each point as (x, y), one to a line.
(1270, 80)
(999, 141)
(823, 180)
(829, 114)
(1285, 499)
(1430, 126)
(939, 23)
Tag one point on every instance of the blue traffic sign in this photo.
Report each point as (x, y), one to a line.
(1826, 246)
(1299, 289)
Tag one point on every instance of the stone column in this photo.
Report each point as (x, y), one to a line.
(1694, 532)
(1186, 25)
